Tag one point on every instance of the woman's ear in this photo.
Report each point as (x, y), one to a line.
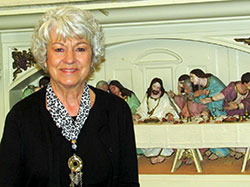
(45, 67)
(45, 64)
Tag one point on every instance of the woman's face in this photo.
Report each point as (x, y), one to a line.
(194, 79)
(114, 90)
(68, 61)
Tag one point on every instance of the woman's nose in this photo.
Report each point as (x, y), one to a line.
(70, 56)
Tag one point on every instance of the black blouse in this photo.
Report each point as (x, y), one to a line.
(34, 153)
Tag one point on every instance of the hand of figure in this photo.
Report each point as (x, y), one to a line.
(205, 100)
(120, 95)
(198, 93)
(206, 92)
(205, 113)
(171, 94)
(231, 106)
(170, 117)
(123, 97)
(136, 117)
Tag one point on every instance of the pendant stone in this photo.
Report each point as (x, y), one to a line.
(75, 164)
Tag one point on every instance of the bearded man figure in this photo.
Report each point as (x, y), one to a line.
(155, 107)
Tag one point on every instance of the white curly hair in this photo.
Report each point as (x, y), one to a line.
(69, 22)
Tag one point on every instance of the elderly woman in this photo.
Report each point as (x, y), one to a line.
(68, 133)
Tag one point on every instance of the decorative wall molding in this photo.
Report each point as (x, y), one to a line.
(158, 56)
(131, 12)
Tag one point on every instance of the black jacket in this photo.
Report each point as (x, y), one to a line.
(34, 153)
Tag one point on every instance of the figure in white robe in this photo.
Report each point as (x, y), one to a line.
(156, 107)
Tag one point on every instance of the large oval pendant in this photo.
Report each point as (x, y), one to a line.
(75, 163)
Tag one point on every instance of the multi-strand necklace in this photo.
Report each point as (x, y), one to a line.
(70, 128)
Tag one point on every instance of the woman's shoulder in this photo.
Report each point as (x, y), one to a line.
(108, 100)
(31, 102)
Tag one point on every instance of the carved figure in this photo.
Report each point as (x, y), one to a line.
(185, 99)
(30, 89)
(116, 88)
(154, 107)
(209, 85)
(236, 98)
(103, 85)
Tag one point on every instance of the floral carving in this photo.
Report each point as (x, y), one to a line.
(22, 61)
(244, 40)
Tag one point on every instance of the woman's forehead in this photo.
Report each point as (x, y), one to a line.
(57, 34)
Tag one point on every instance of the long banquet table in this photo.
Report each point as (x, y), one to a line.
(192, 136)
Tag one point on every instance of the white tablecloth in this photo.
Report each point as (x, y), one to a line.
(208, 135)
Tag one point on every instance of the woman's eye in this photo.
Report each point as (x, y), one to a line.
(59, 49)
(80, 49)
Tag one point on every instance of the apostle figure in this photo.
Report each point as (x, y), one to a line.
(103, 85)
(30, 89)
(236, 98)
(155, 107)
(116, 88)
(210, 85)
(185, 99)
(188, 108)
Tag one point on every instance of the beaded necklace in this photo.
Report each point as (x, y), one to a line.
(70, 128)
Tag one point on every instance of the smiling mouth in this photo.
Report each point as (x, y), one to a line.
(69, 70)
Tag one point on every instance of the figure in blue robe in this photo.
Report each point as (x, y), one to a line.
(208, 86)
(214, 86)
